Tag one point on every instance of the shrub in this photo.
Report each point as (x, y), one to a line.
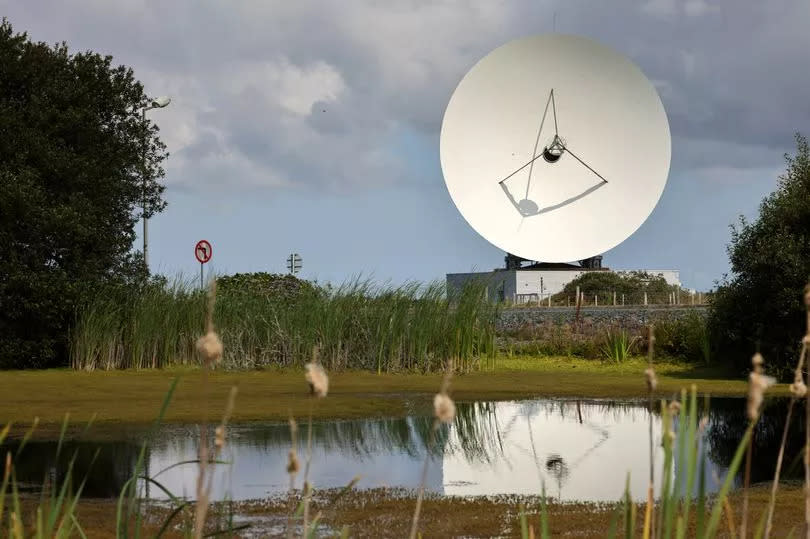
(605, 283)
(759, 308)
(684, 338)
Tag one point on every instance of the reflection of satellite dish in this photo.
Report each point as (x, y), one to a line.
(557, 467)
(555, 148)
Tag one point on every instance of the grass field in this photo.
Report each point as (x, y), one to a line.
(134, 396)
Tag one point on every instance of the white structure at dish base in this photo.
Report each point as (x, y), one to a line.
(535, 285)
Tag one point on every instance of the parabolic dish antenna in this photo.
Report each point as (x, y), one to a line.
(555, 148)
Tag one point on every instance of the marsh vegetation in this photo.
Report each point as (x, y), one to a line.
(276, 321)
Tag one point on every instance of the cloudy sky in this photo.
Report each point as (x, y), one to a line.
(314, 126)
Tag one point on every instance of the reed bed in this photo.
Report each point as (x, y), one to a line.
(358, 325)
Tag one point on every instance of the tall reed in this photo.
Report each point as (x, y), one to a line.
(358, 325)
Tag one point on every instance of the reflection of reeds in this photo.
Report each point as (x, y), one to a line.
(652, 382)
(210, 349)
(318, 388)
(798, 390)
(445, 412)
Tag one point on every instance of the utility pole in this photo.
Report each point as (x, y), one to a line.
(158, 103)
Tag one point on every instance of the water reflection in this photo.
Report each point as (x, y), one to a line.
(730, 423)
(580, 450)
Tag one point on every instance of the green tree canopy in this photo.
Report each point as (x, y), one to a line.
(632, 285)
(74, 153)
(760, 305)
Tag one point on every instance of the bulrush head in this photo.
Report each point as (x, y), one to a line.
(317, 379)
(210, 348)
(219, 439)
(674, 407)
(292, 463)
(652, 381)
(444, 408)
(757, 384)
(798, 389)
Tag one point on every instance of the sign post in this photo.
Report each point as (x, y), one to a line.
(203, 253)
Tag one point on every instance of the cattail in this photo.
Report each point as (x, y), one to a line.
(7, 471)
(757, 384)
(16, 526)
(317, 379)
(798, 388)
(219, 438)
(444, 407)
(292, 463)
(674, 407)
(652, 381)
(210, 347)
(755, 395)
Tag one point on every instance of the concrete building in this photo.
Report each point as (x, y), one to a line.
(522, 284)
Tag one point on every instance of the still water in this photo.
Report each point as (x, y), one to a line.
(579, 449)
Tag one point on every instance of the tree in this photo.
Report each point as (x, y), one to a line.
(74, 153)
(760, 306)
(632, 285)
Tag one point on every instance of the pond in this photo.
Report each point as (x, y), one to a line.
(580, 450)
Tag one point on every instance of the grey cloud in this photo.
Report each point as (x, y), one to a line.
(731, 74)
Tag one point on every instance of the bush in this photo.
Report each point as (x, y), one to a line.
(681, 339)
(684, 338)
(556, 339)
(604, 283)
(759, 307)
(279, 287)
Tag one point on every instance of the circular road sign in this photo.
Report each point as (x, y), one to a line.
(203, 251)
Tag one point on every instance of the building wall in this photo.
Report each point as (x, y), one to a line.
(633, 316)
(552, 281)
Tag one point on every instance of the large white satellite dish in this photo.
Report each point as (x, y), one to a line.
(555, 148)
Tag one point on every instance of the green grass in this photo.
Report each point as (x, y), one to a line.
(132, 396)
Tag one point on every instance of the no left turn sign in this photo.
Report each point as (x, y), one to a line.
(203, 251)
